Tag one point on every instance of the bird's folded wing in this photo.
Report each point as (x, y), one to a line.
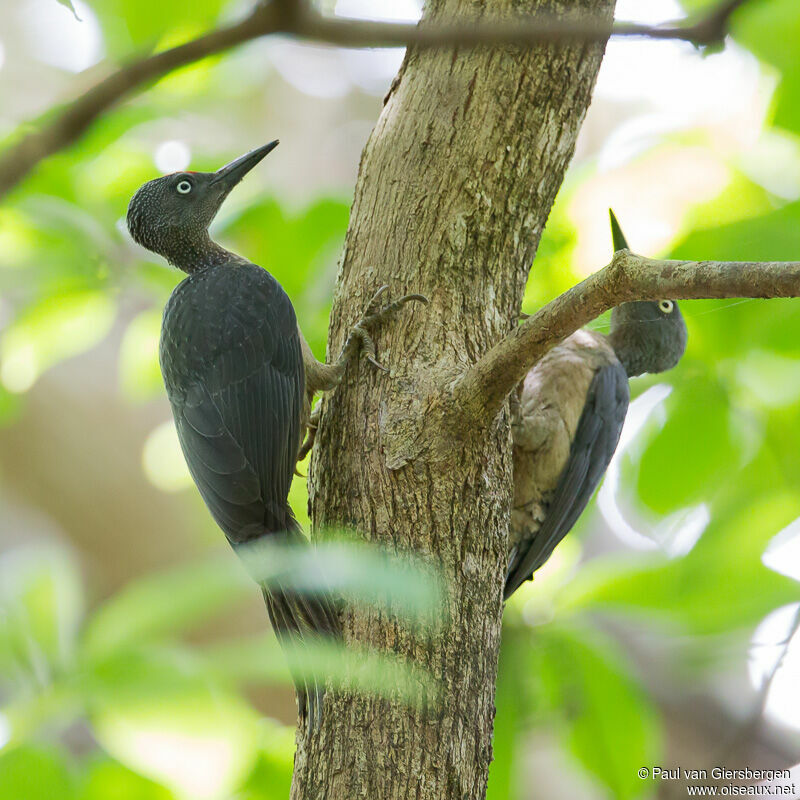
(595, 441)
(226, 479)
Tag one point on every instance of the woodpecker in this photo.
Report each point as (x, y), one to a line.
(568, 419)
(240, 378)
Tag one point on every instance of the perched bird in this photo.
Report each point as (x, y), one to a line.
(240, 377)
(568, 419)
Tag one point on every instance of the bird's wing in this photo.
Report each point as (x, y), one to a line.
(596, 439)
(233, 367)
(237, 412)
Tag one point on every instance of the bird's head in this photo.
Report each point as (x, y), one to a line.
(648, 336)
(170, 215)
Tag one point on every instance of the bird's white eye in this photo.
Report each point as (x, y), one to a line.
(184, 187)
(666, 306)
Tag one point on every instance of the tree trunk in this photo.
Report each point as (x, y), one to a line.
(454, 189)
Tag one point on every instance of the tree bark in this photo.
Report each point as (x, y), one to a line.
(454, 189)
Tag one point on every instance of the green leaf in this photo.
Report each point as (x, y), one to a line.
(271, 778)
(157, 605)
(41, 606)
(774, 236)
(68, 4)
(57, 328)
(139, 373)
(402, 584)
(611, 726)
(511, 702)
(356, 669)
(721, 585)
(157, 712)
(701, 442)
(132, 26)
(34, 773)
(109, 780)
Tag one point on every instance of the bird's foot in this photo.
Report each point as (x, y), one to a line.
(311, 434)
(375, 314)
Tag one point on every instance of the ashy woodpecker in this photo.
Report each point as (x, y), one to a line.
(240, 379)
(569, 416)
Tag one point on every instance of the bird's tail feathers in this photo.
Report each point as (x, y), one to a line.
(300, 617)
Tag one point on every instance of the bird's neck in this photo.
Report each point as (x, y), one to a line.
(628, 350)
(192, 253)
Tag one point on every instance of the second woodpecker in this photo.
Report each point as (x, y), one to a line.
(569, 417)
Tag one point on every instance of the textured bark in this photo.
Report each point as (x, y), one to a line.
(455, 186)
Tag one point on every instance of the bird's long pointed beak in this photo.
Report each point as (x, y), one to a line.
(232, 173)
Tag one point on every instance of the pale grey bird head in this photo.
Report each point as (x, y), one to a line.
(648, 336)
(171, 215)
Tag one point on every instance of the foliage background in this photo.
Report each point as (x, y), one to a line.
(134, 657)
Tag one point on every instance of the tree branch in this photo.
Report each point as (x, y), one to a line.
(523, 31)
(296, 18)
(482, 389)
(74, 119)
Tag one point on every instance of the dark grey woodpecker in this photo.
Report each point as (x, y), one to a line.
(240, 378)
(568, 420)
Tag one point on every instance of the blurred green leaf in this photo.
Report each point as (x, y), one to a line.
(694, 452)
(131, 26)
(771, 30)
(162, 459)
(139, 373)
(35, 773)
(41, 606)
(156, 605)
(721, 585)
(68, 4)
(108, 780)
(347, 667)
(55, 329)
(774, 236)
(511, 705)
(611, 726)
(271, 778)
(399, 583)
(191, 735)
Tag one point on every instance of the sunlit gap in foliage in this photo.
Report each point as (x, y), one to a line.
(213, 768)
(783, 552)
(328, 72)
(162, 460)
(677, 93)
(5, 731)
(774, 659)
(58, 38)
(172, 156)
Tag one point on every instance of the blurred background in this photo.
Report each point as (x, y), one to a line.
(135, 657)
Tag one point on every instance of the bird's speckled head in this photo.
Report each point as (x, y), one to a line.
(171, 215)
(648, 336)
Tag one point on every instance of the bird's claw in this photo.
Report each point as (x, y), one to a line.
(376, 313)
(311, 434)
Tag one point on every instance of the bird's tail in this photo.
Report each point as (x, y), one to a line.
(299, 618)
